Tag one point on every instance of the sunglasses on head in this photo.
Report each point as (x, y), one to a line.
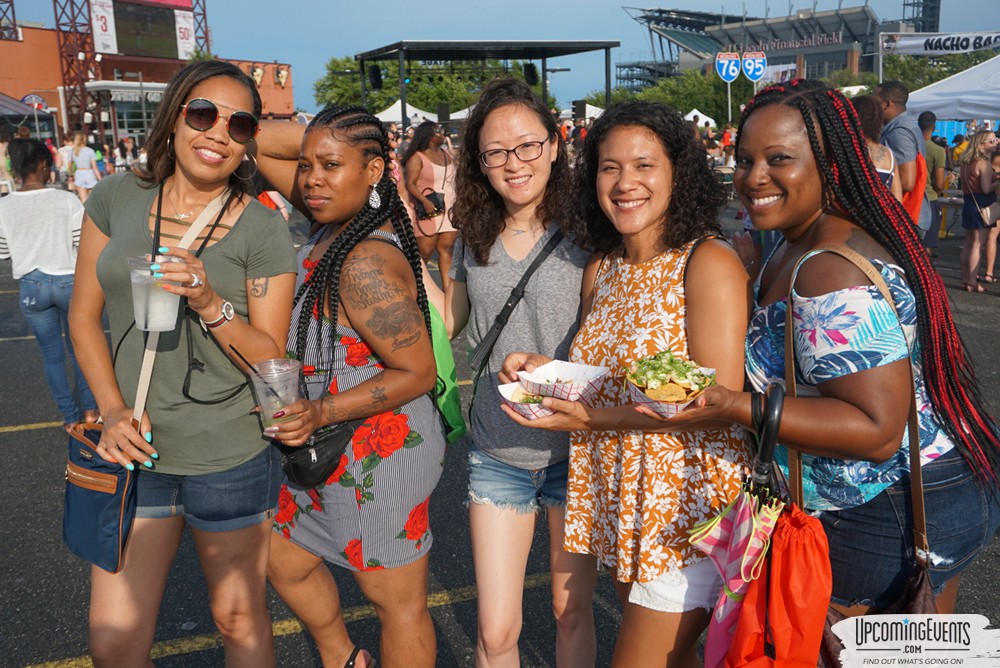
(202, 115)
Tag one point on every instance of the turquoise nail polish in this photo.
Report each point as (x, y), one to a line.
(155, 455)
(148, 465)
(130, 467)
(157, 275)
(148, 436)
(154, 266)
(163, 249)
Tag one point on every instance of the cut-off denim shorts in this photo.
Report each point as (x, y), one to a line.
(962, 517)
(492, 482)
(240, 497)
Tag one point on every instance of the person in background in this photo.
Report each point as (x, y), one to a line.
(428, 167)
(935, 157)
(66, 168)
(40, 234)
(5, 174)
(980, 209)
(660, 280)
(514, 194)
(869, 111)
(802, 169)
(85, 171)
(204, 464)
(902, 136)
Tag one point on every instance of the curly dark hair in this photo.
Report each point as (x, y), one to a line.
(365, 132)
(421, 139)
(842, 159)
(478, 213)
(697, 198)
(159, 154)
(869, 111)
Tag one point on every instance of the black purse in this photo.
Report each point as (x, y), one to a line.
(436, 198)
(312, 463)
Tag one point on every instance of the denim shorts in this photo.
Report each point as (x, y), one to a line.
(962, 517)
(492, 482)
(240, 497)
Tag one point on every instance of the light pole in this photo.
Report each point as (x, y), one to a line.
(545, 78)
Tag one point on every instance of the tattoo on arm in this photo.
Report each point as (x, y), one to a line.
(379, 396)
(400, 321)
(363, 283)
(326, 409)
(258, 287)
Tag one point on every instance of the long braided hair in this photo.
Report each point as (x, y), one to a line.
(838, 147)
(365, 132)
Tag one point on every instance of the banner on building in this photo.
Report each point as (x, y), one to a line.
(102, 25)
(185, 34)
(937, 43)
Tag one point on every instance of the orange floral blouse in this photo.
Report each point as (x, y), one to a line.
(633, 496)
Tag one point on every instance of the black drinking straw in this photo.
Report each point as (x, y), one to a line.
(156, 233)
(244, 359)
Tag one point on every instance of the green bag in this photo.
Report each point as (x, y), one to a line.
(446, 394)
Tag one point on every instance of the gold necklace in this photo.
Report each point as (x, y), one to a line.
(187, 214)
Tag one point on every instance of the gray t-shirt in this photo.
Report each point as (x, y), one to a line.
(545, 322)
(191, 438)
(903, 137)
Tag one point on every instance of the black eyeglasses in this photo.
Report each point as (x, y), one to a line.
(202, 115)
(526, 152)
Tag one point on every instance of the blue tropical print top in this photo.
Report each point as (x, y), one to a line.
(843, 332)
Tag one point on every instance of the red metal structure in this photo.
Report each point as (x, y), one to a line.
(8, 21)
(79, 64)
(202, 38)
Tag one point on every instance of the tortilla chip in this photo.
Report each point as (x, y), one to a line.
(669, 392)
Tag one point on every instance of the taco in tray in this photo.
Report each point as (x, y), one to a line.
(668, 378)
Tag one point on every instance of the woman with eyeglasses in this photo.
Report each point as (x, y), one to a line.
(199, 452)
(513, 188)
(980, 209)
(429, 174)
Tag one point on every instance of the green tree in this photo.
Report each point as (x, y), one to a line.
(846, 78)
(457, 84)
(919, 71)
(618, 94)
(199, 55)
(704, 91)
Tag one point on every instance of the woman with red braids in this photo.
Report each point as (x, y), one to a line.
(802, 168)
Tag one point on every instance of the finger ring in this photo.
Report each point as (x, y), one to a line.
(195, 280)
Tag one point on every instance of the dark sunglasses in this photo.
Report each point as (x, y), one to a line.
(202, 115)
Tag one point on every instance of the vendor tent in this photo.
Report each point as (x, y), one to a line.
(15, 114)
(395, 114)
(968, 95)
(702, 117)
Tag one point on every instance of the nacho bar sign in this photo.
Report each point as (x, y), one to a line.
(937, 43)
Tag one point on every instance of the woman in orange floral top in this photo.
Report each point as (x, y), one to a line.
(659, 281)
(361, 328)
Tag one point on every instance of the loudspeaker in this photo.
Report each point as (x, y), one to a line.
(530, 74)
(375, 77)
(444, 112)
(579, 109)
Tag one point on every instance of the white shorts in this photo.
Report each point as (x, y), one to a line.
(696, 586)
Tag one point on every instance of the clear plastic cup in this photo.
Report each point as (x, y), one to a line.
(276, 384)
(155, 308)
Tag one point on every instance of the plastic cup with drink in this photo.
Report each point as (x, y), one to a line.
(276, 383)
(155, 308)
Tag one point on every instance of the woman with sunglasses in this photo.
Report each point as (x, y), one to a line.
(429, 170)
(198, 449)
(513, 188)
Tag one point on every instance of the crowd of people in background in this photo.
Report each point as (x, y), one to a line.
(623, 213)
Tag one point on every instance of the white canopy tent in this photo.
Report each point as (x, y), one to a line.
(968, 95)
(702, 117)
(395, 113)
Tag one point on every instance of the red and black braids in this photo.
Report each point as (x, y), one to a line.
(838, 146)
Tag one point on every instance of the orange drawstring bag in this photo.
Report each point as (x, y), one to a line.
(784, 611)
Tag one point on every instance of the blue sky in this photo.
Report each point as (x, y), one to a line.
(308, 32)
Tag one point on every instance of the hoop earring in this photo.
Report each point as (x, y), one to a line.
(374, 199)
(170, 145)
(252, 158)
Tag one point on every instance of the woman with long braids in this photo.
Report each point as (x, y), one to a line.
(802, 168)
(428, 167)
(361, 328)
(201, 461)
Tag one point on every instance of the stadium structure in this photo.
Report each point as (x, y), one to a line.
(806, 42)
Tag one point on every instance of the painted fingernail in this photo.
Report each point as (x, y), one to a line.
(148, 465)
(148, 436)
(163, 249)
(130, 467)
(154, 266)
(279, 414)
(155, 455)
(271, 431)
(157, 275)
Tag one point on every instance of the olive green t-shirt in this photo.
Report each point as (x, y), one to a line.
(191, 438)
